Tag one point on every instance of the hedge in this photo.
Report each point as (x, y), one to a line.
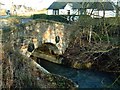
(59, 18)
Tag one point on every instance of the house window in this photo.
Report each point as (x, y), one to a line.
(55, 11)
(68, 12)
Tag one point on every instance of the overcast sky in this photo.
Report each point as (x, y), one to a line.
(37, 4)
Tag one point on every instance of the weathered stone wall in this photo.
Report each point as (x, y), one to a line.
(36, 32)
(39, 32)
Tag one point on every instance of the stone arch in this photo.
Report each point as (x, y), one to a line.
(39, 33)
(48, 48)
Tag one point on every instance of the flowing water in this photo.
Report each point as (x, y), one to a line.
(84, 78)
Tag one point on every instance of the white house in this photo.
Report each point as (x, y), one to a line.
(99, 9)
(20, 10)
(95, 9)
(64, 8)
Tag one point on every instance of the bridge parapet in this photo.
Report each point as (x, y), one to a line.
(42, 31)
(37, 32)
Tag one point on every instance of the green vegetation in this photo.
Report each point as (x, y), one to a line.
(19, 17)
(59, 18)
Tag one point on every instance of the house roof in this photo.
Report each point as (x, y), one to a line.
(57, 5)
(77, 5)
(83, 0)
(102, 6)
(88, 5)
(61, 5)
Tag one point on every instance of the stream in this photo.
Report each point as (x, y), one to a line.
(84, 78)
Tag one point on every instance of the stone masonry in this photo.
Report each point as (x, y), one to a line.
(39, 32)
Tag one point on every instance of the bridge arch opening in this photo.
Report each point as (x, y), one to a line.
(48, 48)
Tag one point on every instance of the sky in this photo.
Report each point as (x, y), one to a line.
(37, 4)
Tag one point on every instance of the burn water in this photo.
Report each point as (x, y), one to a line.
(84, 78)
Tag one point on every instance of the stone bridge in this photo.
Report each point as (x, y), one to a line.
(35, 34)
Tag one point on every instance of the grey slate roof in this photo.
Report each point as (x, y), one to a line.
(61, 5)
(77, 5)
(83, 0)
(57, 5)
(102, 6)
(88, 5)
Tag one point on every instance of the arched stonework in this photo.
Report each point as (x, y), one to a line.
(43, 31)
